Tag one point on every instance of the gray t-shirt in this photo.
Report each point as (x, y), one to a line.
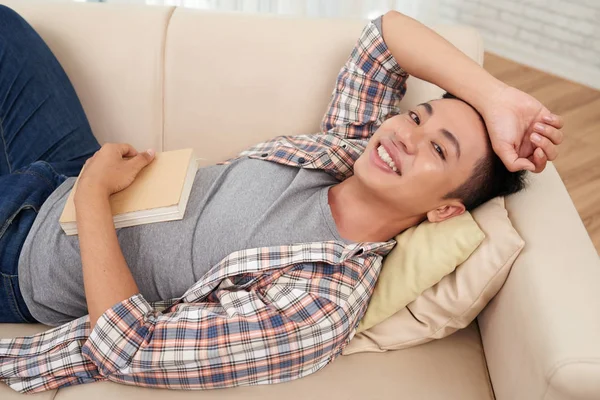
(246, 204)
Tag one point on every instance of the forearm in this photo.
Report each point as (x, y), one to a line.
(106, 277)
(426, 55)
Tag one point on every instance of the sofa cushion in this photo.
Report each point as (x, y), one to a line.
(252, 101)
(117, 72)
(423, 255)
(457, 299)
(452, 368)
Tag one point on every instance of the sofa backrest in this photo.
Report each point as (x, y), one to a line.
(232, 80)
(171, 77)
(114, 57)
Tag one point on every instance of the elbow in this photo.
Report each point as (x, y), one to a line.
(104, 366)
(393, 14)
(394, 17)
(118, 335)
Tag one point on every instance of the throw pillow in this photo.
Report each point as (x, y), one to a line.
(423, 255)
(455, 301)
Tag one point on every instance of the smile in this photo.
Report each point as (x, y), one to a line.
(384, 157)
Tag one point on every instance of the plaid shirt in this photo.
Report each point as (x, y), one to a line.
(260, 316)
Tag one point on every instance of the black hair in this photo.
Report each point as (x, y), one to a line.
(490, 177)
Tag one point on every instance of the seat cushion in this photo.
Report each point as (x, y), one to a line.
(450, 368)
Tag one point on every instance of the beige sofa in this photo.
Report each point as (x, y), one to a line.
(168, 78)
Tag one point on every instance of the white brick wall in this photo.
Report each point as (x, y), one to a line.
(559, 36)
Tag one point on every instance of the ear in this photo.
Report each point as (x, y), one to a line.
(452, 209)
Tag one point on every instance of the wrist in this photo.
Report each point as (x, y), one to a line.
(87, 191)
(484, 91)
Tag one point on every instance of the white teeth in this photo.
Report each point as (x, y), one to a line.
(383, 154)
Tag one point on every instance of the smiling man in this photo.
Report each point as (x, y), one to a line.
(432, 162)
(268, 274)
(442, 157)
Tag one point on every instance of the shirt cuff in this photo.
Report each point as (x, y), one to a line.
(118, 334)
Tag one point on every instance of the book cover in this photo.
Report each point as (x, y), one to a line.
(159, 193)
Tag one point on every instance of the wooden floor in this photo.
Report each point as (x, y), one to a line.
(578, 162)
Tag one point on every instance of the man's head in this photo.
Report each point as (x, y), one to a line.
(444, 160)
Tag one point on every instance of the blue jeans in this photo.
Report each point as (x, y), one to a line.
(44, 138)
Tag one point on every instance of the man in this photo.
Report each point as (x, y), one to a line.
(283, 255)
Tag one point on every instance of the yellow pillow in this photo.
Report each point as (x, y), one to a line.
(423, 255)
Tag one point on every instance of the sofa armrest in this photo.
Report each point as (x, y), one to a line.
(541, 333)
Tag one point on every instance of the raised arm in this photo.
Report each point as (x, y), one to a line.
(428, 56)
(511, 116)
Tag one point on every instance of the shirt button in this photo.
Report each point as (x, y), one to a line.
(344, 146)
(301, 160)
(264, 154)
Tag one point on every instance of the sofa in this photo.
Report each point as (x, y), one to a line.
(171, 77)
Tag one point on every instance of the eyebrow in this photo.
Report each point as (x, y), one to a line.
(452, 139)
(428, 108)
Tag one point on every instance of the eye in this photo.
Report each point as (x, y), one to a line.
(414, 117)
(438, 149)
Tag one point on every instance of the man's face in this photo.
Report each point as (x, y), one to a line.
(435, 147)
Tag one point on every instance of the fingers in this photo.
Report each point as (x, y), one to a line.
(510, 158)
(539, 160)
(521, 164)
(554, 120)
(546, 136)
(552, 133)
(546, 145)
(142, 159)
(126, 150)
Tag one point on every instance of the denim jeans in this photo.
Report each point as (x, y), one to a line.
(44, 138)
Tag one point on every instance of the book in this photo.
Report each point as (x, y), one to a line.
(159, 193)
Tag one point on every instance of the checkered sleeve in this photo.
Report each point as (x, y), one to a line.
(268, 334)
(367, 88)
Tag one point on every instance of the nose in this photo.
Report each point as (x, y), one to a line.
(407, 139)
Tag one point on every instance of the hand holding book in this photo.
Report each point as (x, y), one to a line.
(141, 189)
(112, 169)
